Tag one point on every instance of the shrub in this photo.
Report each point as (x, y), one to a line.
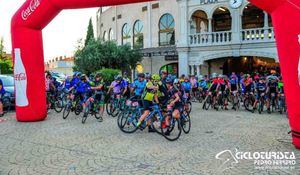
(109, 74)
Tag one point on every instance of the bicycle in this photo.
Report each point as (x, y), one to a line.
(92, 107)
(249, 100)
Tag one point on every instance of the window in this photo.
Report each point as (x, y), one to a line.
(126, 34)
(138, 38)
(111, 35)
(166, 30)
(221, 20)
(104, 36)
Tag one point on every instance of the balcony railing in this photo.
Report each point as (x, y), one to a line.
(226, 37)
(210, 38)
(257, 35)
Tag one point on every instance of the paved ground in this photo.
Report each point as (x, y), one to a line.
(58, 146)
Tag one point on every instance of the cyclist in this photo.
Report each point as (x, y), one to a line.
(83, 88)
(186, 87)
(234, 86)
(100, 94)
(138, 86)
(148, 76)
(174, 105)
(194, 84)
(261, 88)
(150, 94)
(213, 88)
(223, 86)
(272, 89)
(2, 92)
(117, 87)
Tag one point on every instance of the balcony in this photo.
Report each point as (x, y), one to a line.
(258, 35)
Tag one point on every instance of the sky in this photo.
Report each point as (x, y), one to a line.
(60, 36)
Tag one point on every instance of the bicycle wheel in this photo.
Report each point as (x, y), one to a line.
(248, 104)
(78, 108)
(127, 122)
(172, 132)
(67, 110)
(85, 114)
(261, 106)
(185, 123)
(58, 105)
(110, 107)
(207, 103)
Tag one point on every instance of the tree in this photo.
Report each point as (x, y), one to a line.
(5, 61)
(98, 55)
(90, 33)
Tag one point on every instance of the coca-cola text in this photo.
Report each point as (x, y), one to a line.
(29, 10)
(20, 77)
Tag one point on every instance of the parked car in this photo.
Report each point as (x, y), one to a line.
(8, 83)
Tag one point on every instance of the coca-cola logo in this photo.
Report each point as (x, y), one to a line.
(29, 10)
(20, 77)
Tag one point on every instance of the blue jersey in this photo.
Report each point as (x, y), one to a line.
(139, 87)
(75, 81)
(83, 87)
(261, 87)
(68, 84)
(186, 86)
(2, 90)
(202, 84)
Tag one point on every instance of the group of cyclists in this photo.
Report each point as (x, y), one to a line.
(160, 92)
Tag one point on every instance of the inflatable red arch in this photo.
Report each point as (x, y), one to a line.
(34, 15)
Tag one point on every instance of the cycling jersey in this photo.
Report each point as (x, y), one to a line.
(117, 87)
(75, 81)
(202, 84)
(261, 87)
(273, 87)
(2, 91)
(214, 84)
(139, 87)
(83, 87)
(222, 85)
(172, 96)
(186, 86)
(67, 84)
(193, 82)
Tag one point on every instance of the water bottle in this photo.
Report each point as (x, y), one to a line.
(20, 80)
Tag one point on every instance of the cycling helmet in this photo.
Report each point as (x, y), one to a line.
(169, 81)
(200, 77)
(155, 77)
(79, 74)
(118, 78)
(99, 74)
(147, 75)
(83, 77)
(186, 78)
(214, 75)
(141, 75)
(221, 76)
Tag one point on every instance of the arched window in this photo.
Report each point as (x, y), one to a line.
(126, 34)
(221, 20)
(104, 36)
(199, 22)
(253, 17)
(138, 37)
(166, 30)
(111, 35)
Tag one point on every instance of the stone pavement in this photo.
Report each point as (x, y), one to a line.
(58, 146)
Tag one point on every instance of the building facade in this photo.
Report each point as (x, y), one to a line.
(61, 65)
(193, 36)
